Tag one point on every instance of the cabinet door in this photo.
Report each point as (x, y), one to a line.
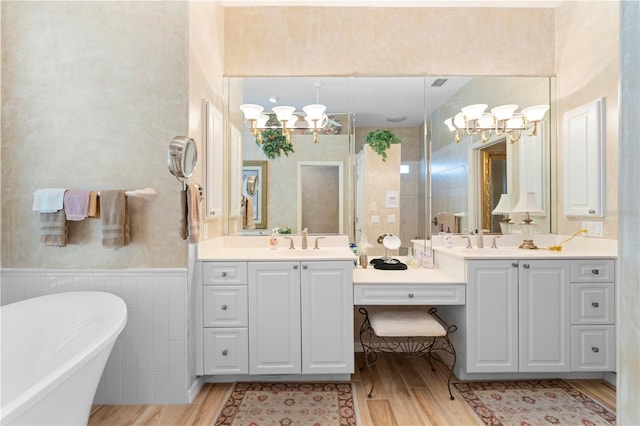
(545, 315)
(492, 316)
(327, 317)
(274, 318)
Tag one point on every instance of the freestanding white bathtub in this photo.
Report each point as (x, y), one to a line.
(54, 349)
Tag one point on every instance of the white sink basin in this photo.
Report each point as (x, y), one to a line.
(307, 253)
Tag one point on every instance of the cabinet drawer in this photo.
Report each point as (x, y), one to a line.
(592, 348)
(224, 306)
(592, 304)
(593, 270)
(419, 294)
(221, 273)
(226, 351)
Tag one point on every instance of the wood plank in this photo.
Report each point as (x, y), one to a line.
(381, 412)
(117, 414)
(216, 397)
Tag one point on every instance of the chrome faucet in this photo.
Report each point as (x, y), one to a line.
(305, 232)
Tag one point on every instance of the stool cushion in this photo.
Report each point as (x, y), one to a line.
(405, 324)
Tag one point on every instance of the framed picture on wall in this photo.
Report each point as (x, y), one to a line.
(254, 192)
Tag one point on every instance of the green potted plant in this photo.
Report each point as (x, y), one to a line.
(274, 143)
(380, 140)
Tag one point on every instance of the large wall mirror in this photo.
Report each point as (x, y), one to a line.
(359, 193)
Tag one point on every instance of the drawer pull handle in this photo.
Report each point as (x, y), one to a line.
(224, 352)
(514, 264)
(410, 295)
(526, 266)
(595, 304)
(305, 266)
(295, 266)
(595, 349)
(595, 271)
(223, 307)
(223, 274)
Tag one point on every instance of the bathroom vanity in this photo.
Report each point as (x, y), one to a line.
(533, 311)
(275, 312)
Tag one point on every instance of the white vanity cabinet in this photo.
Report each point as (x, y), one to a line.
(539, 315)
(225, 341)
(301, 317)
(593, 315)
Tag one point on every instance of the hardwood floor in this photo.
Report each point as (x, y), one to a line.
(406, 392)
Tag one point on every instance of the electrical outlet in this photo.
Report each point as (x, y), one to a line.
(594, 228)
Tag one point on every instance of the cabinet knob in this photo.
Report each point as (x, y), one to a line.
(305, 266)
(595, 304)
(223, 274)
(225, 352)
(595, 349)
(410, 295)
(514, 264)
(223, 307)
(525, 266)
(295, 266)
(595, 271)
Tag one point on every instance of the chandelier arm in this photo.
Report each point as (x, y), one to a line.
(512, 139)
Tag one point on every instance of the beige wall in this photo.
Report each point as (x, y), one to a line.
(587, 62)
(388, 41)
(91, 101)
(206, 49)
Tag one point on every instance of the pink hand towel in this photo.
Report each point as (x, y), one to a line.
(76, 204)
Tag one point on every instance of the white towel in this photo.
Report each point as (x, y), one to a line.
(48, 200)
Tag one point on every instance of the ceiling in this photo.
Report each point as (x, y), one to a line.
(396, 3)
(375, 101)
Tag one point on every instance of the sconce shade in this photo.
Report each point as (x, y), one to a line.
(262, 120)
(458, 121)
(486, 121)
(504, 112)
(535, 113)
(527, 204)
(505, 205)
(314, 111)
(515, 122)
(474, 112)
(283, 113)
(251, 111)
(449, 123)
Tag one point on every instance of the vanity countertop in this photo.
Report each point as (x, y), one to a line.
(580, 247)
(257, 249)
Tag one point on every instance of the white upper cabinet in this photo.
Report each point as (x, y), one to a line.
(583, 160)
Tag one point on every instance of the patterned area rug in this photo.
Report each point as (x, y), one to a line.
(317, 404)
(533, 402)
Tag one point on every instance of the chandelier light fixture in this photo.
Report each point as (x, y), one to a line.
(287, 120)
(502, 120)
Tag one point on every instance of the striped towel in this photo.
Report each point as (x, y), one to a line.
(114, 216)
(53, 229)
(193, 213)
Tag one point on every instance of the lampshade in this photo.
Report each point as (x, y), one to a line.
(449, 123)
(535, 113)
(486, 121)
(474, 112)
(262, 120)
(516, 122)
(251, 111)
(314, 111)
(283, 113)
(505, 205)
(504, 112)
(458, 121)
(527, 204)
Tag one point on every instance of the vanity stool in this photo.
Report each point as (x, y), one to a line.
(412, 334)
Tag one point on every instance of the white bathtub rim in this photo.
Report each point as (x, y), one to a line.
(33, 394)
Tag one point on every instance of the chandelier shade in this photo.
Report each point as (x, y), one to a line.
(502, 120)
